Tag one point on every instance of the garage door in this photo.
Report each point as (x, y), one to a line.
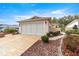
(33, 28)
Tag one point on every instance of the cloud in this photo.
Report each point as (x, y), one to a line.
(29, 15)
(60, 11)
(55, 13)
(22, 17)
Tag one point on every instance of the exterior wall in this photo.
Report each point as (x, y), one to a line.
(34, 28)
(70, 26)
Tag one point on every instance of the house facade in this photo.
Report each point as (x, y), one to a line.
(35, 25)
(72, 24)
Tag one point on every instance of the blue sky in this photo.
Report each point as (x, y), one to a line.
(12, 12)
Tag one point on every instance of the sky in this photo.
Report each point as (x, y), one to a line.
(12, 12)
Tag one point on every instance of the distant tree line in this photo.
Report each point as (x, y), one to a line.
(65, 20)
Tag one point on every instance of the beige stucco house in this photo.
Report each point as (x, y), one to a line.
(35, 25)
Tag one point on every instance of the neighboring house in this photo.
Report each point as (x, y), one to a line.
(35, 25)
(72, 24)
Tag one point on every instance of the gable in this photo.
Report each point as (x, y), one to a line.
(75, 22)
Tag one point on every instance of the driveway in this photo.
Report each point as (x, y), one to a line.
(15, 45)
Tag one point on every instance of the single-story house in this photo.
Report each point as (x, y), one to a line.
(72, 24)
(35, 25)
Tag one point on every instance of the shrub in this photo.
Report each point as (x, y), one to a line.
(9, 30)
(75, 27)
(74, 31)
(69, 32)
(50, 34)
(56, 33)
(45, 38)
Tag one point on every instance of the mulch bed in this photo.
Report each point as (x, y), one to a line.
(43, 49)
(66, 50)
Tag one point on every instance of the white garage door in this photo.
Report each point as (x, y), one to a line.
(34, 28)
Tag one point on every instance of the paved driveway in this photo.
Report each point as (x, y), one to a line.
(15, 45)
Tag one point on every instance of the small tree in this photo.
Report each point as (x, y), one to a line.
(55, 20)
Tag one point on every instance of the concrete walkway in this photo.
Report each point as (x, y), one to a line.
(59, 48)
(56, 37)
(15, 45)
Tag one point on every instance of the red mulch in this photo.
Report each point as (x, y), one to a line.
(43, 49)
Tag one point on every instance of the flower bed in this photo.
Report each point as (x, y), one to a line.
(71, 45)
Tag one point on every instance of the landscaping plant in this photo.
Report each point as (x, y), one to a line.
(9, 30)
(62, 26)
(50, 34)
(75, 27)
(56, 33)
(73, 31)
(45, 38)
